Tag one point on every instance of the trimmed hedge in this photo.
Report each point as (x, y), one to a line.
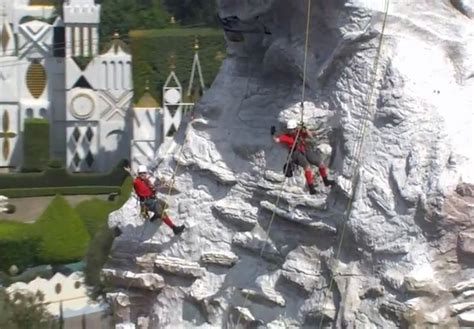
(95, 212)
(60, 177)
(35, 145)
(64, 238)
(151, 51)
(60, 235)
(19, 245)
(66, 190)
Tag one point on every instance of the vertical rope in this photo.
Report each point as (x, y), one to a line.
(305, 61)
(358, 147)
(293, 147)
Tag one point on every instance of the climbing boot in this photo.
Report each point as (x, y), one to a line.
(312, 190)
(328, 182)
(178, 229)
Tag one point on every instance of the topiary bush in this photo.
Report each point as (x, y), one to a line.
(35, 145)
(64, 238)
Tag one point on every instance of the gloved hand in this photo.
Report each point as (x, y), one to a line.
(272, 130)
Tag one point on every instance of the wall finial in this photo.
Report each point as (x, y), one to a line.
(196, 43)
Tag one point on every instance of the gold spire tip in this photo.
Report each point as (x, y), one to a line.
(196, 43)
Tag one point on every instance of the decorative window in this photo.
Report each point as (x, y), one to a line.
(36, 79)
(29, 113)
(58, 288)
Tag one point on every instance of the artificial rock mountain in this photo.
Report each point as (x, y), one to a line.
(400, 124)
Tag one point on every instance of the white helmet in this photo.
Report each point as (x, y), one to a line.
(142, 169)
(291, 124)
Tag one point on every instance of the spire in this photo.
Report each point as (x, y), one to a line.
(147, 100)
(193, 91)
(116, 45)
(172, 61)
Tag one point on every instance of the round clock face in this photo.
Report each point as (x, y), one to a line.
(82, 106)
(172, 96)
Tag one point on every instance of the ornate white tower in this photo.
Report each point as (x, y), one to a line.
(146, 130)
(81, 20)
(98, 101)
(173, 106)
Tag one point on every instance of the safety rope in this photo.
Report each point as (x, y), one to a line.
(305, 60)
(168, 197)
(358, 147)
(288, 159)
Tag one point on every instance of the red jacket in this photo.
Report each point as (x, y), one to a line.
(143, 188)
(289, 139)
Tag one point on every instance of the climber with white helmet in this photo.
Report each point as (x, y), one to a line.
(145, 187)
(301, 156)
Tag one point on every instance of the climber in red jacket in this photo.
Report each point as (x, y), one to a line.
(146, 191)
(301, 156)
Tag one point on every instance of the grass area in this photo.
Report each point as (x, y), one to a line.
(152, 51)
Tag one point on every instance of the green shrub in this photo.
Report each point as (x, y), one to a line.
(63, 235)
(96, 256)
(35, 144)
(151, 50)
(125, 191)
(55, 163)
(18, 245)
(94, 213)
(59, 177)
(49, 191)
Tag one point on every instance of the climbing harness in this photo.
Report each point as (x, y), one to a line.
(165, 207)
(358, 146)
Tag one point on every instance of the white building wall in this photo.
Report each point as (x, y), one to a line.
(146, 136)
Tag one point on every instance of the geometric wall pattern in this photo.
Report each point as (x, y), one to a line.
(82, 145)
(8, 136)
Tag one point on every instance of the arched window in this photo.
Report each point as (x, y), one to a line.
(29, 113)
(43, 113)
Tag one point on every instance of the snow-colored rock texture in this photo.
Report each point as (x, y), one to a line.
(390, 246)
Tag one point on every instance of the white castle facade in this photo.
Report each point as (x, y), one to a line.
(56, 72)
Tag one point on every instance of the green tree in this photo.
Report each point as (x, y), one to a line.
(25, 312)
(193, 12)
(63, 235)
(124, 15)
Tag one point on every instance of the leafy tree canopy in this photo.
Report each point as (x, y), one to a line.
(25, 312)
(193, 12)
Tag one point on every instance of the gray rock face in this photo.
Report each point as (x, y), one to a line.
(220, 258)
(383, 249)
